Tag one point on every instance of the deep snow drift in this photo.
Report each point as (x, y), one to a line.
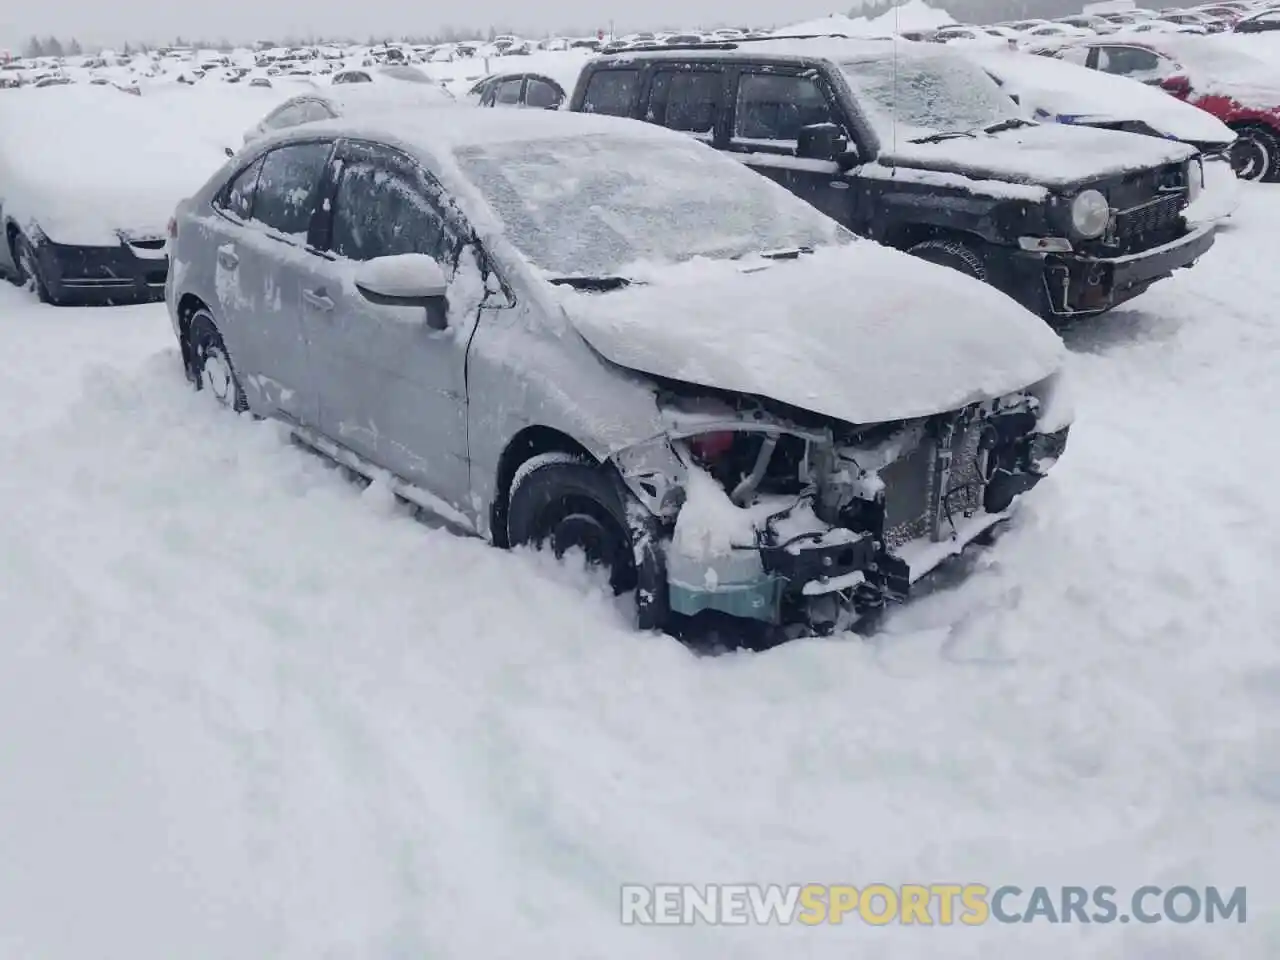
(250, 710)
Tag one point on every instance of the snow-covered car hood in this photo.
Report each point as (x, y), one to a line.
(1067, 93)
(859, 332)
(1051, 154)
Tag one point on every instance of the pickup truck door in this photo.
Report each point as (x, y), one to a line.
(769, 109)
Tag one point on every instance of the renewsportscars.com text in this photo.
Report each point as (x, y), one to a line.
(941, 904)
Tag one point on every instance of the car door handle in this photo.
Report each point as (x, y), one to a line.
(227, 257)
(318, 299)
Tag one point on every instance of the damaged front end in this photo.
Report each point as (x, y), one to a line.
(795, 521)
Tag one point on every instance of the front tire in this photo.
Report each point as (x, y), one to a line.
(30, 273)
(1255, 155)
(209, 364)
(955, 254)
(565, 502)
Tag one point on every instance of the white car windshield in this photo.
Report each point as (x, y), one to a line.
(925, 94)
(600, 205)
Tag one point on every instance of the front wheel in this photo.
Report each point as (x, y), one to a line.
(1255, 154)
(567, 503)
(955, 254)
(30, 273)
(209, 363)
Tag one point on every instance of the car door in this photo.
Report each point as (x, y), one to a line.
(770, 106)
(260, 235)
(391, 389)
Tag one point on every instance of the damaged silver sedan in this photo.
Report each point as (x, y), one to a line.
(598, 335)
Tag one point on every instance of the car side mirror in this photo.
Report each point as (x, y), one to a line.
(228, 151)
(822, 141)
(1178, 86)
(406, 280)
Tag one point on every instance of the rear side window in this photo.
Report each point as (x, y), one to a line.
(687, 100)
(611, 92)
(237, 197)
(774, 106)
(287, 187)
(1125, 61)
(379, 212)
(540, 93)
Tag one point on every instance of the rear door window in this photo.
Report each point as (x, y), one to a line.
(287, 187)
(1128, 61)
(541, 93)
(611, 92)
(687, 100)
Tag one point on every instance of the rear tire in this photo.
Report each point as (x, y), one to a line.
(567, 502)
(955, 254)
(1255, 155)
(210, 367)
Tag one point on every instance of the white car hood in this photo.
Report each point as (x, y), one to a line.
(1068, 93)
(1050, 154)
(860, 332)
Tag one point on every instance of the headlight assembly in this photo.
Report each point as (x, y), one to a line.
(1090, 214)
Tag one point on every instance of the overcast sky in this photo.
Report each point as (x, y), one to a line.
(114, 21)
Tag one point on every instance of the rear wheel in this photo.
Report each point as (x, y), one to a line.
(955, 254)
(209, 363)
(566, 502)
(1255, 155)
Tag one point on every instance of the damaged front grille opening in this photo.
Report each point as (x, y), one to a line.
(843, 520)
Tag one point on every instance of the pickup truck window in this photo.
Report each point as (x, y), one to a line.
(610, 92)
(686, 100)
(774, 107)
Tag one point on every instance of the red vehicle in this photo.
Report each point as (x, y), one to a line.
(1216, 74)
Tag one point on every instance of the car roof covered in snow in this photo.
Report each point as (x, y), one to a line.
(390, 92)
(441, 127)
(834, 48)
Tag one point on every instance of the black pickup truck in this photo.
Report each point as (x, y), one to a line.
(918, 148)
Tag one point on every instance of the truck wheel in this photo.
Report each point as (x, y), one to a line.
(955, 254)
(565, 502)
(1255, 153)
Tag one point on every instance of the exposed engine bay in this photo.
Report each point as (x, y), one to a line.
(804, 521)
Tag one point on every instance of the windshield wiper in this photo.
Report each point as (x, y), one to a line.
(1009, 124)
(592, 284)
(947, 135)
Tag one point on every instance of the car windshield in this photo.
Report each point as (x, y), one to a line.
(926, 94)
(601, 205)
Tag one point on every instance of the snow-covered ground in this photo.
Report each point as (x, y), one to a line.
(248, 709)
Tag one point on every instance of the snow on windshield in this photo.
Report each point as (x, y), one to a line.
(925, 94)
(596, 205)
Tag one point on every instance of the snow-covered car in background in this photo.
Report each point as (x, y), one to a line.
(1220, 75)
(598, 334)
(539, 89)
(1265, 22)
(1062, 92)
(83, 211)
(338, 101)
